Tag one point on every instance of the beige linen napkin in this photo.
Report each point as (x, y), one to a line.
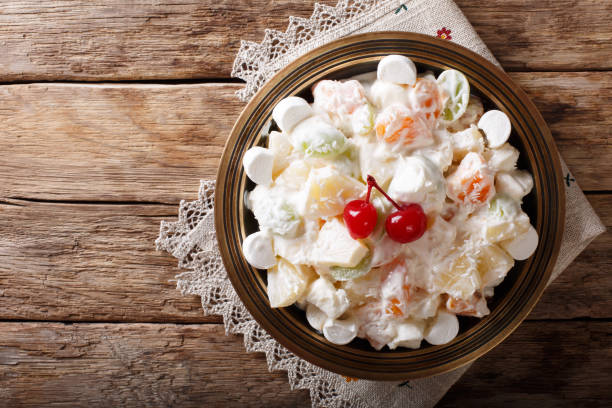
(192, 238)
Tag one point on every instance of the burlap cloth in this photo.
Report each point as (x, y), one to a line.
(192, 238)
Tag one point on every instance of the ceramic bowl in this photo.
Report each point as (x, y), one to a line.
(513, 299)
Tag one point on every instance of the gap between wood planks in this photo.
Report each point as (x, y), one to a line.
(232, 80)
(14, 201)
(220, 321)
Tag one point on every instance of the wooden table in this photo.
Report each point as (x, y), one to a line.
(112, 111)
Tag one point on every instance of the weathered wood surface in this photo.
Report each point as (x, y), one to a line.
(110, 156)
(118, 365)
(541, 365)
(153, 142)
(74, 262)
(126, 40)
(52, 364)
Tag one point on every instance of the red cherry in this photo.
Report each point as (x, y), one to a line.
(407, 224)
(360, 218)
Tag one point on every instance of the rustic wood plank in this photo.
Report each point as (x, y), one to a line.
(153, 142)
(197, 365)
(541, 365)
(574, 105)
(89, 263)
(135, 365)
(126, 40)
(67, 262)
(544, 35)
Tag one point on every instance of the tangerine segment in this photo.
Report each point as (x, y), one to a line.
(397, 124)
(427, 98)
(472, 182)
(338, 97)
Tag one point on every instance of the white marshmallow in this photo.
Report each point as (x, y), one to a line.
(257, 249)
(330, 301)
(340, 331)
(291, 111)
(418, 180)
(517, 184)
(383, 94)
(523, 246)
(316, 318)
(443, 329)
(397, 69)
(258, 163)
(496, 126)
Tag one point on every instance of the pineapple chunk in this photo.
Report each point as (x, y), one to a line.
(335, 247)
(295, 175)
(468, 140)
(330, 301)
(409, 334)
(328, 191)
(493, 265)
(459, 278)
(504, 219)
(281, 147)
(288, 282)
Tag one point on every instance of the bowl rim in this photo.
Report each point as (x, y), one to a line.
(229, 254)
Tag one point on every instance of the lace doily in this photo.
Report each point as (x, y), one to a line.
(255, 63)
(192, 240)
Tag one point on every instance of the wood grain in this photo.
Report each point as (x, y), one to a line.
(121, 365)
(541, 365)
(74, 262)
(153, 142)
(197, 365)
(126, 40)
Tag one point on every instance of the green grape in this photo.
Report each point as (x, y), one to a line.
(340, 273)
(319, 140)
(502, 206)
(457, 88)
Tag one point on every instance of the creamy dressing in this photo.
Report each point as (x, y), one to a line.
(422, 143)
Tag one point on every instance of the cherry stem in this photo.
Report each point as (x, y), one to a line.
(372, 183)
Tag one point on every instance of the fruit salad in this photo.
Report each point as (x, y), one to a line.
(388, 206)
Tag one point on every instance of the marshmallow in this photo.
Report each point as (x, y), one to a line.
(258, 163)
(291, 111)
(258, 251)
(384, 94)
(340, 331)
(418, 180)
(443, 329)
(316, 318)
(517, 184)
(523, 246)
(496, 126)
(397, 69)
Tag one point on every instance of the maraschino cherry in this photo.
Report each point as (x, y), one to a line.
(360, 216)
(405, 225)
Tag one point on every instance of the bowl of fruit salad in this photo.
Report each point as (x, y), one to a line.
(389, 206)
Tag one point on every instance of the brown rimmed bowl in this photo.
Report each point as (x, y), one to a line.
(513, 299)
